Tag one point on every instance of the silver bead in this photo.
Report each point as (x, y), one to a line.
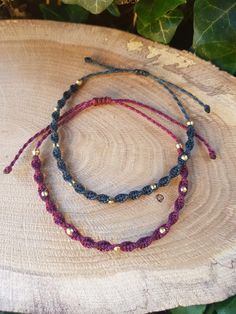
(153, 186)
(189, 123)
(111, 201)
(179, 145)
(36, 152)
(44, 193)
(183, 189)
(56, 145)
(69, 231)
(55, 108)
(116, 249)
(184, 157)
(79, 82)
(162, 230)
(72, 182)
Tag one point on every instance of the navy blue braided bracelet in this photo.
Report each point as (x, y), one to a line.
(173, 172)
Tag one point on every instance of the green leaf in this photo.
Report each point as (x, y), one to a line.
(71, 13)
(210, 309)
(151, 10)
(113, 9)
(195, 309)
(93, 6)
(51, 13)
(158, 19)
(226, 307)
(215, 32)
(163, 29)
(76, 13)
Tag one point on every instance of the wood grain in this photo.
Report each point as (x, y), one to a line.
(112, 150)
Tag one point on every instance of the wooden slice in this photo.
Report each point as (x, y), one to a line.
(112, 150)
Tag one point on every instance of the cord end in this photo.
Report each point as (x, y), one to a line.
(7, 170)
(207, 108)
(212, 154)
(88, 60)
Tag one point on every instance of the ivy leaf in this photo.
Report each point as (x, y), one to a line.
(76, 13)
(158, 19)
(72, 13)
(163, 29)
(93, 6)
(226, 307)
(151, 10)
(113, 9)
(215, 32)
(195, 309)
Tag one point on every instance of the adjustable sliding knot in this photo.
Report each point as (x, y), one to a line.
(102, 100)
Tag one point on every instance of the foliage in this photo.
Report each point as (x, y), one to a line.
(159, 19)
(195, 309)
(215, 32)
(93, 6)
(72, 13)
(206, 27)
(225, 307)
(113, 9)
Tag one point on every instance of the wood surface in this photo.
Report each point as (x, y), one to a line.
(112, 150)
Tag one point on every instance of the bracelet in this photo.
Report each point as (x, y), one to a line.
(70, 229)
(58, 217)
(179, 169)
(134, 194)
(103, 245)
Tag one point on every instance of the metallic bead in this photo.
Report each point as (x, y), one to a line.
(116, 249)
(69, 231)
(111, 201)
(184, 157)
(55, 108)
(44, 193)
(183, 189)
(79, 82)
(160, 197)
(36, 152)
(56, 145)
(72, 182)
(189, 123)
(162, 230)
(153, 186)
(179, 145)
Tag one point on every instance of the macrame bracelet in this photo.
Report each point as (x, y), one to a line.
(58, 217)
(103, 245)
(148, 189)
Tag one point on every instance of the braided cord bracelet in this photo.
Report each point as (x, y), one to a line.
(102, 245)
(148, 189)
(69, 228)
